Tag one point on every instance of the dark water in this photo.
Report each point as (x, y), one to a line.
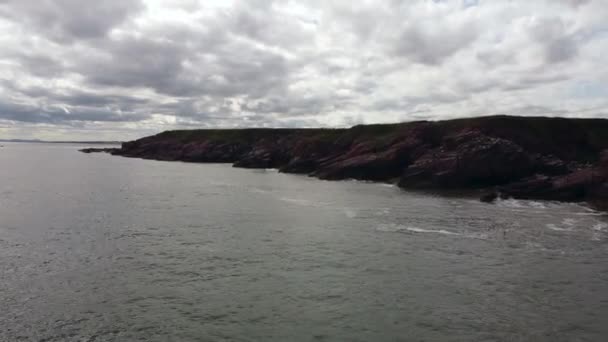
(102, 248)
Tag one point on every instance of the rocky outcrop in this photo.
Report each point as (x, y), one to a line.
(588, 183)
(469, 159)
(500, 156)
(98, 150)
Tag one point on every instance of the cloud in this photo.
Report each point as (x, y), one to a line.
(430, 40)
(122, 69)
(43, 113)
(551, 34)
(68, 20)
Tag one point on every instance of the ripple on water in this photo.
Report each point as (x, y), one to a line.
(600, 226)
(393, 228)
(397, 228)
(247, 262)
(522, 204)
(557, 228)
(303, 202)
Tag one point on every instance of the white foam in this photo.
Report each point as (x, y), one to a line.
(569, 222)
(393, 228)
(259, 191)
(397, 228)
(590, 214)
(539, 247)
(383, 211)
(513, 203)
(557, 229)
(538, 205)
(420, 230)
(600, 226)
(304, 202)
(298, 201)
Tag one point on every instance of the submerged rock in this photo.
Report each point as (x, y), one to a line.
(489, 197)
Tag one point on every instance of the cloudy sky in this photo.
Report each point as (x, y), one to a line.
(121, 69)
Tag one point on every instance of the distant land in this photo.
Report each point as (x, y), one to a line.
(496, 156)
(37, 141)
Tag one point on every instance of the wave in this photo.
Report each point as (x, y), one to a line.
(387, 185)
(304, 202)
(590, 213)
(259, 191)
(397, 228)
(514, 203)
(557, 229)
(440, 231)
(568, 222)
(383, 211)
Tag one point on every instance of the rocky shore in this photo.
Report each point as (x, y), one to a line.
(97, 150)
(496, 156)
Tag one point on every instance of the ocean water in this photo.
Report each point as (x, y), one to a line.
(103, 248)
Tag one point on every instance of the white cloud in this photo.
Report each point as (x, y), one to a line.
(122, 69)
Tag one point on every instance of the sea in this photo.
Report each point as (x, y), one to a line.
(95, 247)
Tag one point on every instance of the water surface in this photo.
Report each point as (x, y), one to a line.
(102, 248)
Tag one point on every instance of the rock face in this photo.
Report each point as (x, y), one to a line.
(500, 156)
(469, 158)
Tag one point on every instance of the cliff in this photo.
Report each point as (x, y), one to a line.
(521, 157)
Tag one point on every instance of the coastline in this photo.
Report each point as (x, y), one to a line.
(534, 158)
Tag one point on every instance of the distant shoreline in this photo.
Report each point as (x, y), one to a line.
(35, 141)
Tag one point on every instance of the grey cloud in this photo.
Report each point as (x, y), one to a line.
(212, 64)
(59, 115)
(298, 106)
(362, 19)
(136, 62)
(265, 23)
(561, 49)
(432, 47)
(399, 104)
(493, 58)
(87, 99)
(66, 20)
(40, 65)
(506, 85)
(74, 97)
(578, 3)
(558, 44)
